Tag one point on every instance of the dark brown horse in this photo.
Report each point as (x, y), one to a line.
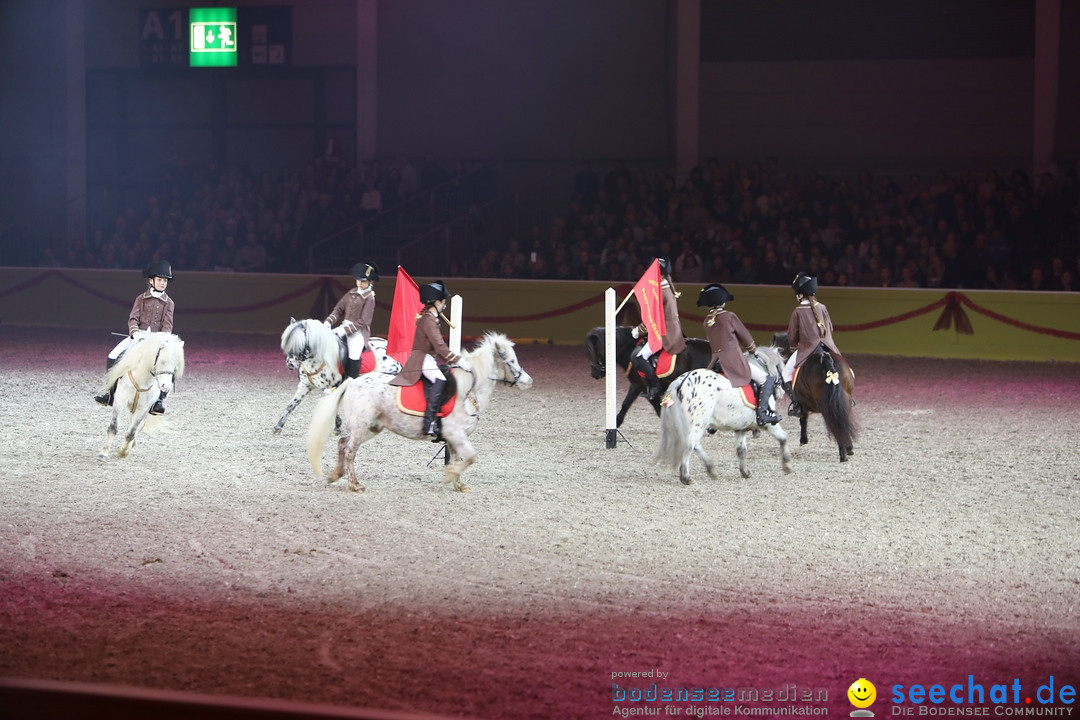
(825, 384)
(696, 355)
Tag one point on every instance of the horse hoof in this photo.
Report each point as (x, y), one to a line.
(276, 431)
(684, 480)
(356, 487)
(850, 452)
(744, 473)
(803, 442)
(788, 469)
(102, 456)
(462, 487)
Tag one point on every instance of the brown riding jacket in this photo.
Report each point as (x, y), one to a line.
(151, 313)
(427, 340)
(804, 333)
(728, 337)
(357, 309)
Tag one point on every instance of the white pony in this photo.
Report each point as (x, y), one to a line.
(318, 354)
(703, 400)
(370, 405)
(147, 368)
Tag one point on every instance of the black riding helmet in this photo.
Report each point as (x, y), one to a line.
(803, 284)
(158, 268)
(364, 271)
(665, 265)
(433, 291)
(714, 295)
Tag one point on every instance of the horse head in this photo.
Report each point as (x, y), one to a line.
(625, 342)
(511, 373)
(594, 350)
(168, 361)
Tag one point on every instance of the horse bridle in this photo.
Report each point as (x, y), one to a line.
(518, 372)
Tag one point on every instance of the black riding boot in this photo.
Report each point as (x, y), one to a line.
(433, 394)
(352, 368)
(794, 409)
(765, 415)
(105, 397)
(652, 384)
(159, 405)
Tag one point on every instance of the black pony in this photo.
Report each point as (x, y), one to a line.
(825, 384)
(697, 354)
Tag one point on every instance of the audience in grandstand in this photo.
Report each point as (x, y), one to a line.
(724, 222)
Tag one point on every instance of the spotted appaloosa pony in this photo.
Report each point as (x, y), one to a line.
(697, 354)
(148, 367)
(369, 405)
(825, 384)
(704, 400)
(318, 354)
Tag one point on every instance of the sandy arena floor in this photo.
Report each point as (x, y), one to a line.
(212, 560)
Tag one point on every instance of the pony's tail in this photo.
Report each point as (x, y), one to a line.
(321, 421)
(835, 405)
(673, 429)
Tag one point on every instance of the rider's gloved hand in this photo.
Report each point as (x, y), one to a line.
(326, 323)
(340, 331)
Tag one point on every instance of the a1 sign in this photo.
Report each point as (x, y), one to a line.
(163, 38)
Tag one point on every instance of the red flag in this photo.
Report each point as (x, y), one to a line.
(647, 294)
(407, 305)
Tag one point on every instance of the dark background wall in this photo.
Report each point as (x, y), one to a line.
(834, 83)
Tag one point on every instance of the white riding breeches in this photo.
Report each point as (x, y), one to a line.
(355, 343)
(757, 374)
(789, 366)
(431, 369)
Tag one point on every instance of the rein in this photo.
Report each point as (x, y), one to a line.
(138, 391)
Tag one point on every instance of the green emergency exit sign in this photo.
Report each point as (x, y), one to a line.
(213, 37)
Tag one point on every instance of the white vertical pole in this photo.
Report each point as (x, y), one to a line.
(610, 365)
(455, 324)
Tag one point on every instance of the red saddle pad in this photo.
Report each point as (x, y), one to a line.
(410, 400)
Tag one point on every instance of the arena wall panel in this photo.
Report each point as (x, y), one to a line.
(975, 324)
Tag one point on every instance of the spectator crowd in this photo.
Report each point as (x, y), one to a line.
(725, 222)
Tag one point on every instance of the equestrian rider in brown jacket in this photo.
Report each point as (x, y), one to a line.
(428, 344)
(152, 312)
(728, 337)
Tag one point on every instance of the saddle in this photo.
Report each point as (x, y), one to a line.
(665, 364)
(411, 401)
(749, 395)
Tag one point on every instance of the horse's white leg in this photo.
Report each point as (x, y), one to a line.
(103, 454)
(136, 425)
(785, 452)
(740, 450)
(347, 447)
(339, 469)
(464, 455)
(302, 390)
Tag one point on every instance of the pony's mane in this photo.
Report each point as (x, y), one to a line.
(773, 359)
(322, 341)
(482, 357)
(144, 353)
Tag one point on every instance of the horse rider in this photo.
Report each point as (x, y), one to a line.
(809, 327)
(353, 314)
(728, 337)
(152, 312)
(673, 341)
(427, 345)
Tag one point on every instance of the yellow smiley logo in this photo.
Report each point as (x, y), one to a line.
(862, 693)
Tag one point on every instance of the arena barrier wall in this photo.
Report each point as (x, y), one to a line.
(972, 324)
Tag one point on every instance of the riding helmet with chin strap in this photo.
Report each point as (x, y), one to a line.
(433, 291)
(803, 284)
(665, 266)
(365, 271)
(714, 295)
(158, 268)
